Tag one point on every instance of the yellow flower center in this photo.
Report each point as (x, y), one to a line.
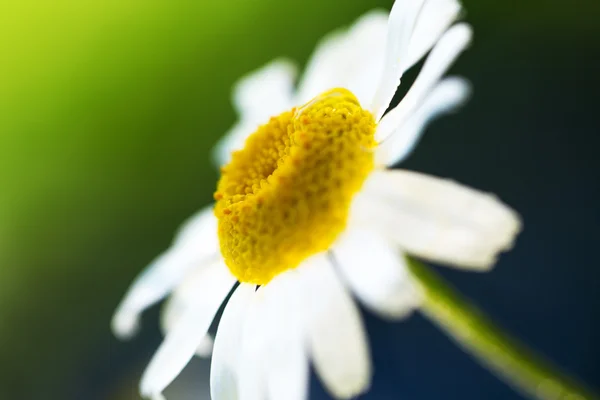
(287, 194)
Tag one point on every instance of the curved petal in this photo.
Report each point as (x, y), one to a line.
(182, 341)
(273, 361)
(200, 226)
(252, 375)
(257, 97)
(352, 59)
(445, 52)
(228, 343)
(179, 302)
(266, 89)
(414, 27)
(437, 219)
(336, 337)
(205, 347)
(444, 98)
(435, 18)
(376, 273)
(401, 24)
(286, 357)
(195, 246)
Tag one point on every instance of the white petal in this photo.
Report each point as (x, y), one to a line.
(179, 302)
(336, 336)
(266, 89)
(205, 347)
(401, 24)
(435, 17)
(273, 362)
(351, 59)
(445, 52)
(182, 341)
(199, 228)
(195, 245)
(414, 27)
(228, 344)
(437, 219)
(288, 377)
(170, 316)
(319, 74)
(260, 95)
(377, 273)
(444, 98)
(286, 358)
(252, 374)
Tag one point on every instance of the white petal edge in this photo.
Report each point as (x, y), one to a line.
(195, 246)
(377, 273)
(352, 59)
(446, 97)
(364, 62)
(445, 52)
(286, 358)
(176, 305)
(401, 24)
(436, 219)
(318, 73)
(337, 339)
(182, 341)
(273, 361)
(264, 90)
(252, 375)
(205, 347)
(258, 96)
(228, 344)
(434, 19)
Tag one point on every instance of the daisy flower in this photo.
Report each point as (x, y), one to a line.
(307, 215)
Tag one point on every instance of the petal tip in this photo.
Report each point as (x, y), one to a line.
(149, 391)
(125, 324)
(354, 388)
(205, 348)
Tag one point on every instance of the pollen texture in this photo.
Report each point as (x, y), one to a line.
(287, 194)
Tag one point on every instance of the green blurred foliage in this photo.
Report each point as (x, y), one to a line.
(108, 111)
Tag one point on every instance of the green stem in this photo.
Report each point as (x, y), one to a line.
(503, 355)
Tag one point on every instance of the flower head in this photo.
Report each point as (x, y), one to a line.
(287, 194)
(306, 209)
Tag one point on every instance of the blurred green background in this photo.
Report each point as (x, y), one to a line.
(108, 112)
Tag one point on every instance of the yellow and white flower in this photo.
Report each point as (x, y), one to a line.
(307, 214)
